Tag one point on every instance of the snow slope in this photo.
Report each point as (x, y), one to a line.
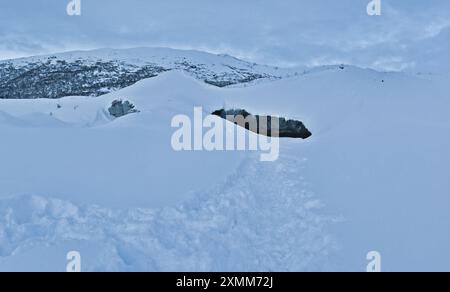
(372, 177)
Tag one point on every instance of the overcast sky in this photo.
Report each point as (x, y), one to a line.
(409, 35)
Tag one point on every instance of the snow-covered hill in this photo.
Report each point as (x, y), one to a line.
(374, 176)
(94, 73)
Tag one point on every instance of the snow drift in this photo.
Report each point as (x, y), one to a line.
(372, 177)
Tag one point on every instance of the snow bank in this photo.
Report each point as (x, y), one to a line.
(378, 158)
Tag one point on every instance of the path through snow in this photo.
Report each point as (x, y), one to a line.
(263, 218)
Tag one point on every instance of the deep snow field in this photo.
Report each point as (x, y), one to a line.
(374, 176)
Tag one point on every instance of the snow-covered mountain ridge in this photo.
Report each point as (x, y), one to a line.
(94, 73)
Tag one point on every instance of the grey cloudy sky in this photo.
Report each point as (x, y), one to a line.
(409, 35)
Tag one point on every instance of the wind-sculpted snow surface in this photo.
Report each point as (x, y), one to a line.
(252, 222)
(378, 159)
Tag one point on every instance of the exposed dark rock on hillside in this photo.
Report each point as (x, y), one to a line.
(265, 125)
(58, 78)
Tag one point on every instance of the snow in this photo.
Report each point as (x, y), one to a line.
(233, 226)
(372, 177)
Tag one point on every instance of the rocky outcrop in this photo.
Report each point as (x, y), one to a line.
(121, 108)
(271, 126)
